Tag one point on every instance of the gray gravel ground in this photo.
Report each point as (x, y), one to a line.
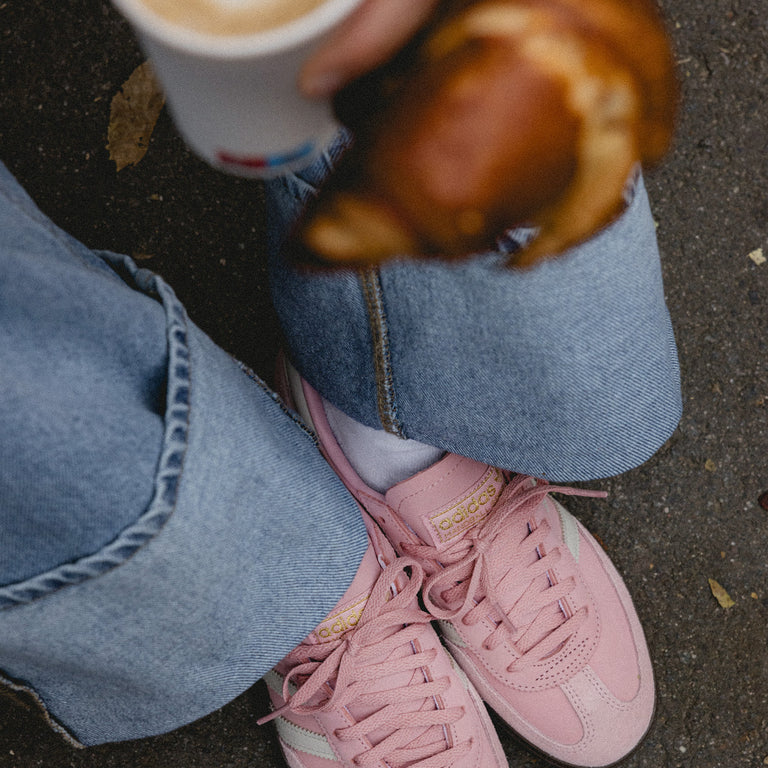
(689, 514)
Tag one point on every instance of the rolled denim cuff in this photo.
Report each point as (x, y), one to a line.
(250, 539)
(567, 370)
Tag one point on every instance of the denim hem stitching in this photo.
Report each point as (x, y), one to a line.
(382, 362)
(170, 465)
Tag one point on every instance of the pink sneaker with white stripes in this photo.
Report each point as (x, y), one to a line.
(373, 686)
(528, 603)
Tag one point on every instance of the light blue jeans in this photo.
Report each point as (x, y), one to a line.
(168, 530)
(566, 371)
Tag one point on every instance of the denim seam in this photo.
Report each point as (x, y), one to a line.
(382, 362)
(167, 478)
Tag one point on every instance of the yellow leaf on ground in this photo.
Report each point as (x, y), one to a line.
(757, 256)
(133, 114)
(721, 595)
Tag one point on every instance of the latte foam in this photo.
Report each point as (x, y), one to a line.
(231, 17)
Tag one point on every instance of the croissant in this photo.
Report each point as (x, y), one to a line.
(499, 113)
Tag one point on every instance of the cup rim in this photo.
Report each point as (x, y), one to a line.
(297, 32)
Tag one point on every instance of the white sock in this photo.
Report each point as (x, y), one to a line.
(379, 457)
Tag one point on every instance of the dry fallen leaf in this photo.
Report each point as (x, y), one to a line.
(721, 595)
(134, 112)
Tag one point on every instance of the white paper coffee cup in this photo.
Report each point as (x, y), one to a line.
(235, 99)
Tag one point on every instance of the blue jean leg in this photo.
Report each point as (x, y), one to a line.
(567, 370)
(68, 391)
(197, 536)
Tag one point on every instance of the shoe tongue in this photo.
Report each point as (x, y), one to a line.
(346, 613)
(448, 499)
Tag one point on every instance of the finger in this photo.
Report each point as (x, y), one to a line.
(374, 31)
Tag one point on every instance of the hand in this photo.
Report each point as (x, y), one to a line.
(374, 31)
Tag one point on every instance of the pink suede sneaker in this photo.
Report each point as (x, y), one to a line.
(373, 686)
(528, 603)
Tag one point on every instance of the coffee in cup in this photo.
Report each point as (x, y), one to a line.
(231, 17)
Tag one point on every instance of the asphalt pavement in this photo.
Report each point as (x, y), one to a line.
(689, 515)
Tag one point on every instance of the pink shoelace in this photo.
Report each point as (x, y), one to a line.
(537, 623)
(341, 673)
